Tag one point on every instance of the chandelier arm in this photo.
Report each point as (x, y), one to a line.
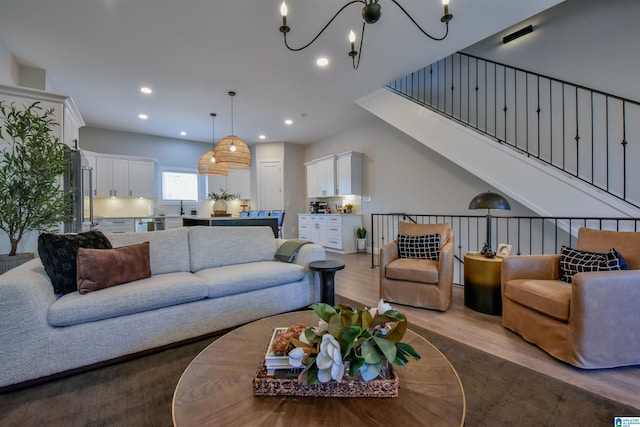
(356, 65)
(296, 49)
(419, 27)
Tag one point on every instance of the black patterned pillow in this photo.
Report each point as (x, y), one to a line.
(574, 261)
(58, 254)
(420, 247)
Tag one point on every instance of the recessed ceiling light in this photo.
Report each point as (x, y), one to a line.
(183, 133)
(288, 122)
(143, 116)
(146, 90)
(262, 137)
(322, 62)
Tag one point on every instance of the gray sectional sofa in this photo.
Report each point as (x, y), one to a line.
(203, 280)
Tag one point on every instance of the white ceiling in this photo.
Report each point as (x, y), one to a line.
(192, 52)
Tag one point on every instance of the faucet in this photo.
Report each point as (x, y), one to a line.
(181, 209)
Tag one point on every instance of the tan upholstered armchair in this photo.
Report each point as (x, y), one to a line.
(593, 322)
(418, 282)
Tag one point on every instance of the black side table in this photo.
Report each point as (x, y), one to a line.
(327, 270)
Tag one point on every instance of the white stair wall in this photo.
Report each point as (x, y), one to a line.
(541, 188)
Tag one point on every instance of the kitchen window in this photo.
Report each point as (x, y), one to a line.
(180, 186)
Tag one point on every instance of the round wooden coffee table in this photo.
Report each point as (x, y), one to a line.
(217, 388)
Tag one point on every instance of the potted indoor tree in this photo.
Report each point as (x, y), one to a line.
(32, 161)
(361, 237)
(220, 202)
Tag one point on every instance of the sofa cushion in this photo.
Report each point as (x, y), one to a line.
(58, 253)
(168, 249)
(419, 247)
(414, 270)
(574, 261)
(241, 278)
(219, 246)
(625, 242)
(551, 297)
(103, 268)
(142, 295)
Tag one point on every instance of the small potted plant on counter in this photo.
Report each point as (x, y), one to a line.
(361, 235)
(220, 202)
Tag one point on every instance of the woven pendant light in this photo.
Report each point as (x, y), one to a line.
(231, 150)
(209, 164)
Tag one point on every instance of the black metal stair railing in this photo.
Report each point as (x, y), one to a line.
(589, 134)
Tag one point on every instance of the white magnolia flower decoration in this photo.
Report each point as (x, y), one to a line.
(383, 307)
(329, 360)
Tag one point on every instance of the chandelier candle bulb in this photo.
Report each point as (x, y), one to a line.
(352, 39)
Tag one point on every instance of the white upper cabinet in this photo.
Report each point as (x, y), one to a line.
(122, 177)
(141, 178)
(112, 177)
(349, 173)
(65, 111)
(321, 181)
(339, 175)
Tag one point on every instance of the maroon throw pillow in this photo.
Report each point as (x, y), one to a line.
(102, 268)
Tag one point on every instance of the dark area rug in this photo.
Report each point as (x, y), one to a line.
(138, 392)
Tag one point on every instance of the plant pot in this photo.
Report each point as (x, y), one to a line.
(362, 244)
(220, 208)
(8, 262)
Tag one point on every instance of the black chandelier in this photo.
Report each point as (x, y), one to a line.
(371, 13)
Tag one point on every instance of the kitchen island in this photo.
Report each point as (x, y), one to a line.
(231, 221)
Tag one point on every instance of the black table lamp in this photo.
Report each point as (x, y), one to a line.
(488, 201)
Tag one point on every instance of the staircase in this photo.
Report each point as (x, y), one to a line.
(559, 149)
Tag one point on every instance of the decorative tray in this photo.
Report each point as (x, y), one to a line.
(264, 385)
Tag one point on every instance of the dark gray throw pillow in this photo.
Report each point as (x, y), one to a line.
(419, 247)
(574, 261)
(58, 253)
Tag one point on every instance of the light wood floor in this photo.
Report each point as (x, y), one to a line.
(359, 282)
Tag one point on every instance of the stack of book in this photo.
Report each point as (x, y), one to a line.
(273, 361)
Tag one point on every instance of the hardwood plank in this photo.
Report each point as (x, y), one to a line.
(359, 282)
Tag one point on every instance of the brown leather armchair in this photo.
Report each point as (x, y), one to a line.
(593, 322)
(418, 282)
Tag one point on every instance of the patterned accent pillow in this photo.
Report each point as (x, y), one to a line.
(574, 261)
(419, 247)
(58, 254)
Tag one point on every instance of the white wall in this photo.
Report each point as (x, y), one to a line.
(402, 175)
(588, 42)
(593, 43)
(8, 66)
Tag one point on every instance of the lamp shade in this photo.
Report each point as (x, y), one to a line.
(209, 166)
(489, 200)
(233, 152)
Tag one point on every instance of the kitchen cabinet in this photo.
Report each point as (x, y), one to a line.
(321, 177)
(115, 225)
(65, 112)
(122, 177)
(335, 232)
(349, 173)
(312, 228)
(112, 177)
(141, 178)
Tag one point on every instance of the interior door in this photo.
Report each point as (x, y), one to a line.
(270, 185)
